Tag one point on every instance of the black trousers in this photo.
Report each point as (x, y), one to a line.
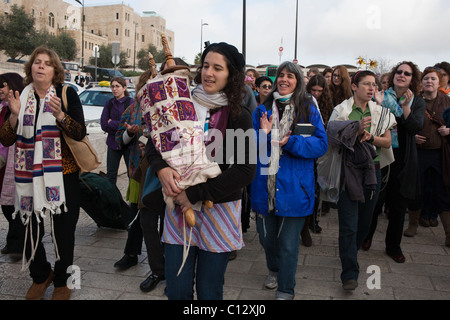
(64, 228)
(381, 201)
(133, 245)
(16, 231)
(152, 216)
(397, 210)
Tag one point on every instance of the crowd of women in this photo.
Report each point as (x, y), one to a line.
(390, 132)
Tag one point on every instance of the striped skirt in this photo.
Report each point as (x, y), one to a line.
(216, 230)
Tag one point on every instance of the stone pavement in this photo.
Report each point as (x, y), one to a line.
(425, 275)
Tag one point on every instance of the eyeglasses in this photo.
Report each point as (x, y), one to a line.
(266, 86)
(336, 76)
(4, 84)
(400, 72)
(369, 84)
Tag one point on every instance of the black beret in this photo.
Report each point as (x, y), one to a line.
(261, 79)
(229, 51)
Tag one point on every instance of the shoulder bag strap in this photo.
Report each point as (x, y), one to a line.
(64, 97)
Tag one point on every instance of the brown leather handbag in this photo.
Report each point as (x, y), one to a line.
(84, 153)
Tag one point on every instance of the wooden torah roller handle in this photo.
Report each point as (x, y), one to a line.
(190, 215)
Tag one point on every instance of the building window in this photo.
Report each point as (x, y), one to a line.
(117, 32)
(117, 16)
(51, 20)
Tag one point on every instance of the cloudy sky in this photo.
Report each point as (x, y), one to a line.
(329, 32)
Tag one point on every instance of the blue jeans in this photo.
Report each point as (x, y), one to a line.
(355, 219)
(113, 162)
(280, 238)
(206, 269)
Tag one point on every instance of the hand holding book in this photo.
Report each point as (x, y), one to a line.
(304, 129)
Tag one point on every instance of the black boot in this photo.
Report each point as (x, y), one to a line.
(126, 262)
(313, 222)
(305, 235)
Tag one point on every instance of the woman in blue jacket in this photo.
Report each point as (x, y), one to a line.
(282, 194)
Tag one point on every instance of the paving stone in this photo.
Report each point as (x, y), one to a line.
(424, 276)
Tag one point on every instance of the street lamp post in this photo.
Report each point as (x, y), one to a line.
(201, 37)
(244, 31)
(82, 32)
(296, 28)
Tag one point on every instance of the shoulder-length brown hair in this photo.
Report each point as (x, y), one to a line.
(55, 62)
(415, 85)
(325, 102)
(344, 90)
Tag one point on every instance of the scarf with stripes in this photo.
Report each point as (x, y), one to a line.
(38, 161)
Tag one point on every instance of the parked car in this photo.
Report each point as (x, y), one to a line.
(77, 88)
(16, 61)
(93, 100)
(105, 74)
(102, 73)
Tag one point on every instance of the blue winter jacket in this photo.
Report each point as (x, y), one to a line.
(295, 180)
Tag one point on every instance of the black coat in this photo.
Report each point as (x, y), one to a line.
(408, 173)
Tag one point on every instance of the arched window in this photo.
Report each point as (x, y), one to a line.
(51, 20)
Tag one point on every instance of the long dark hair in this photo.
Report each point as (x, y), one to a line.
(234, 90)
(326, 101)
(300, 99)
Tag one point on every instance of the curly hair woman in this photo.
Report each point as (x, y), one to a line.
(217, 232)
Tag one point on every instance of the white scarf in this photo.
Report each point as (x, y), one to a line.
(210, 101)
(204, 102)
(280, 127)
(38, 160)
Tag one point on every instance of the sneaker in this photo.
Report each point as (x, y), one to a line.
(37, 290)
(271, 282)
(126, 262)
(350, 285)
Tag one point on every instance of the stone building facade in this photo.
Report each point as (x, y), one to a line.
(102, 25)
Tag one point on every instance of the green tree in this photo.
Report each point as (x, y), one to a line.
(105, 59)
(198, 58)
(17, 34)
(64, 45)
(142, 57)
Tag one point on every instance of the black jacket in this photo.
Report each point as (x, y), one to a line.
(358, 167)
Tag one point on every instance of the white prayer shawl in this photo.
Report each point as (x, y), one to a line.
(381, 121)
(38, 163)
